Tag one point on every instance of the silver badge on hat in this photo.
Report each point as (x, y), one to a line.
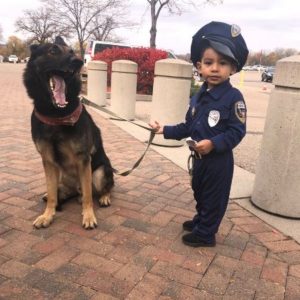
(213, 118)
(235, 30)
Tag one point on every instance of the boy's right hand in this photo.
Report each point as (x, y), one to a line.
(156, 127)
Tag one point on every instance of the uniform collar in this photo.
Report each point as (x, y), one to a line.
(216, 92)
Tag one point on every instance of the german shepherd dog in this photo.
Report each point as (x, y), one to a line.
(64, 134)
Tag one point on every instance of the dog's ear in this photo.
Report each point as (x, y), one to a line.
(59, 41)
(33, 47)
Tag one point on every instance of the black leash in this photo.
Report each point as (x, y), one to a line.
(116, 117)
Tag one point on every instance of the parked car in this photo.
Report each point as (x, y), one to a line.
(247, 68)
(267, 74)
(13, 58)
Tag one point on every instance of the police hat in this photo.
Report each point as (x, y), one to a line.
(223, 38)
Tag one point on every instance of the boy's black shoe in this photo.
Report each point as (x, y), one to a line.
(194, 240)
(188, 225)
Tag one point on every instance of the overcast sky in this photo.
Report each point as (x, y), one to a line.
(265, 24)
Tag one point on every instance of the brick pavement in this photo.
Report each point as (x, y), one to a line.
(136, 251)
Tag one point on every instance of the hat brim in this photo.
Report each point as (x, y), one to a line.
(223, 49)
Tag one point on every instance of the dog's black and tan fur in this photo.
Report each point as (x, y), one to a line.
(73, 156)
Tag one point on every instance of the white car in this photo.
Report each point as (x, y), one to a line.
(13, 59)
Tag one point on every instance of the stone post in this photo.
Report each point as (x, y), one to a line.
(171, 93)
(123, 88)
(277, 181)
(97, 82)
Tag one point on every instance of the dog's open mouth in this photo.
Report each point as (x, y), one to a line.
(58, 89)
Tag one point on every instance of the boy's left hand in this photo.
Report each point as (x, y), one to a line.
(204, 147)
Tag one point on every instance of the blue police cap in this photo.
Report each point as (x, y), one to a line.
(223, 38)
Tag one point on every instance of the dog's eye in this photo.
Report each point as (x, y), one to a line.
(71, 52)
(54, 50)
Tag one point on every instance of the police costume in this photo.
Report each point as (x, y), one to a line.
(218, 114)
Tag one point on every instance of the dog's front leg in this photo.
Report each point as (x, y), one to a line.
(52, 174)
(89, 220)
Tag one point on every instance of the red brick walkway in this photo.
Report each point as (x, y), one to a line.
(136, 251)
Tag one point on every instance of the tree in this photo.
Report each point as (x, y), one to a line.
(1, 33)
(86, 17)
(173, 6)
(16, 46)
(40, 25)
(104, 26)
(269, 58)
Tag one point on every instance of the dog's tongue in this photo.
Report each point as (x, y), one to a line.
(59, 91)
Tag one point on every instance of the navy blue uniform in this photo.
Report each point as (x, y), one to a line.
(220, 116)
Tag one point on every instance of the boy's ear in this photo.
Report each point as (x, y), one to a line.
(233, 69)
(198, 65)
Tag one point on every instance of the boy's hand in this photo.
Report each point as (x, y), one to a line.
(204, 147)
(156, 127)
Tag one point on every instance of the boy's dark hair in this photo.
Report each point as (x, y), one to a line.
(232, 61)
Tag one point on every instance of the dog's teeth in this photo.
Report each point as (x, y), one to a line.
(51, 84)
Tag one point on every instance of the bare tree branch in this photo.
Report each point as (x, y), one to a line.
(39, 24)
(174, 7)
(87, 18)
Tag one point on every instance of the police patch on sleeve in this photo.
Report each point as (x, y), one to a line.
(213, 118)
(240, 111)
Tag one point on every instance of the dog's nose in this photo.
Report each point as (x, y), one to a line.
(76, 63)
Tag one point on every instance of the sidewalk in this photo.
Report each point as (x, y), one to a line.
(136, 251)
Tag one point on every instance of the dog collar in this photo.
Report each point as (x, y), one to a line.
(69, 120)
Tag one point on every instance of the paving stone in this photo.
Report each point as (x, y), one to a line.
(283, 246)
(292, 288)
(56, 259)
(275, 271)
(136, 252)
(97, 263)
(106, 284)
(176, 273)
(14, 269)
(216, 280)
(150, 287)
(179, 291)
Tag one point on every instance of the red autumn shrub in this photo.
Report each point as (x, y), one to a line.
(145, 59)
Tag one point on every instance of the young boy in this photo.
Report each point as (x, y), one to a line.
(216, 120)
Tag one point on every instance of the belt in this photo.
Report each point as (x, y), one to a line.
(191, 160)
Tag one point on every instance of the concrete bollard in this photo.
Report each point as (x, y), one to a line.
(97, 82)
(123, 88)
(277, 181)
(171, 93)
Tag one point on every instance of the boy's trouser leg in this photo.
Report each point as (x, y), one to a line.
(211, 184)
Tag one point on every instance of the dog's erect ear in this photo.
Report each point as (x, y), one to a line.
(59, 41)
(33, 47)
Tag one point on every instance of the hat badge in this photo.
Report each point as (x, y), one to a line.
(235, 30)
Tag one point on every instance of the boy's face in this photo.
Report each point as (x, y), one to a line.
(214, 67)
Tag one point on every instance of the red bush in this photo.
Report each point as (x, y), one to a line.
(145, 59)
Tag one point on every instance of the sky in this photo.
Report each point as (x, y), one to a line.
(265, 24)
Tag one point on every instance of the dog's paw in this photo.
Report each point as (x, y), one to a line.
(89, 220)
(42, 221)
(105, 200)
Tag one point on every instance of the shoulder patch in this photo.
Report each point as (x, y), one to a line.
(240, 111)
